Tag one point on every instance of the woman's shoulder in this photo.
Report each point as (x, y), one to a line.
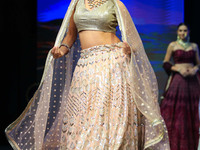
(172, 44)
(120, 3)
(194, 46)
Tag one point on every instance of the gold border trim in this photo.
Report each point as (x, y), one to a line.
(14, 124)
(154, 141)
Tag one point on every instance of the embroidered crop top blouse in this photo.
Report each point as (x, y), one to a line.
(102, 18)
(182, 56)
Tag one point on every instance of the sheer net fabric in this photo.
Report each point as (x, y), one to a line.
(47, 120)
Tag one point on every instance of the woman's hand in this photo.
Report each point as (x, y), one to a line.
(184, 72)
(192, 71)
(59, 52)
(127, 49)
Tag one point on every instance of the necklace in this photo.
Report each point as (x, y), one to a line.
(96, 3)
(185, 45)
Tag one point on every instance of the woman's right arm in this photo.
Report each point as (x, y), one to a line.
(169, 52)
(166, 63)
(71, 36)
(69, 39)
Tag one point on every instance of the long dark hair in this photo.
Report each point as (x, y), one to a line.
(184, 25)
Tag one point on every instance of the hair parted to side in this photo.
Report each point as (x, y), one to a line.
(182, 23)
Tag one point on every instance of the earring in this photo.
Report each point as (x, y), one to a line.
(178, 38)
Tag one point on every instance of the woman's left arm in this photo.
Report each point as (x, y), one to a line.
(127, 49)
(195, 69)
(197, 56)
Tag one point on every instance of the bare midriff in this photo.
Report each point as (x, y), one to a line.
(184, 65)
(94, 38)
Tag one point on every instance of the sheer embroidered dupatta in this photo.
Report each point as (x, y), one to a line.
(144, 84)
(39, 126)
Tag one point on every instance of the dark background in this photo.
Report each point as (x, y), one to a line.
(18, 59)
(18, 51)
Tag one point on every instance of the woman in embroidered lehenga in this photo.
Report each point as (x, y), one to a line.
(102, 96)
(180, 106)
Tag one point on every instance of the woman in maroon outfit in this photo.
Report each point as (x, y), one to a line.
(179, 107)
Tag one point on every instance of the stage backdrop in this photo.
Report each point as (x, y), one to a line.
(156, 21)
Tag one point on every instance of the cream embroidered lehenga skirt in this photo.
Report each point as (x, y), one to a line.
(100, 113)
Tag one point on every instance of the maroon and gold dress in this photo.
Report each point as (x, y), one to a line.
(179, 107)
